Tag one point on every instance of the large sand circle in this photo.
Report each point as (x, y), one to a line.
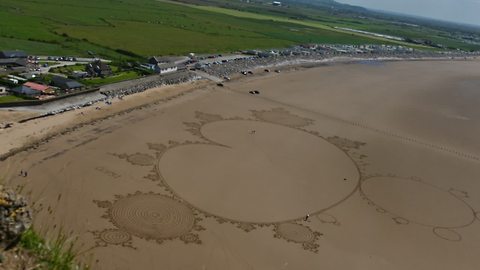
(418, 202)
(273, 174)
(152, 216)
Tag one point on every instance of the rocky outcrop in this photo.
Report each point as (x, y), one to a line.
(15, 217)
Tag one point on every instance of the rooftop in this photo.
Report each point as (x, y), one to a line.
(36, 86)
(13, 54)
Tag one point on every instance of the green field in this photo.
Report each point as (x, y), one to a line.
(121, 76)
(133, 28)
(10, 98)
(67, 70)
(307, 23)
(327, 18)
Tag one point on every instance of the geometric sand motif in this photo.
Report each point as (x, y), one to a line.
(149, 216)
(159, 217)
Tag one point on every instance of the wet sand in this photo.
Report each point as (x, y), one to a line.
(383, 158)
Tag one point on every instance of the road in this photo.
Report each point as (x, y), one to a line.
(208, 76)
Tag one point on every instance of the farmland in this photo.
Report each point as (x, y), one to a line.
(328, 14)
(129, 29)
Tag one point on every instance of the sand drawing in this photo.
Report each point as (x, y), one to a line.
(401, 220)
(282, 117)
(285, 228)
(113, 237)
(150, 216)
(447, 234)
(107, 171)
(458, 193)
(345, 144)
(137, 159)
(327, 219)
(404, 200)
(158, 217)
(299, 234)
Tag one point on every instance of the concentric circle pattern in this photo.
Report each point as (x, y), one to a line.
(152, 216)
(295, 233)
(115, 237)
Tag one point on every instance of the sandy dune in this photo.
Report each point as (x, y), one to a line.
(384, 158)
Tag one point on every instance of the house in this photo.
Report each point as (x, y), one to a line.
(165, 68)
(157, 60)
(44, 89)
(161, 68)
(25, 91)
(66, 83)
(277, 3)
(98, 69)
(14, 64)
(12, 54)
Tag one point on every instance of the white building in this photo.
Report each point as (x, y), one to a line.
(277, 3)
(166, 68)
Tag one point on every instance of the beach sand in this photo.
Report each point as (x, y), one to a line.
(384, 158)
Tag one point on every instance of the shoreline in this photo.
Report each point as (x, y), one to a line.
(342, 127)
(68, 119)
(68, 122)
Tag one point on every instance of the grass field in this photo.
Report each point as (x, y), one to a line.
(327, 19)
(133, 28)
(307, 23)
(10, 98)
(130, 29)
(122, 76)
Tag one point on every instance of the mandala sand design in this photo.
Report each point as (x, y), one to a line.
(293, 232)
(158, 217)
(152, 217)
(287, 230)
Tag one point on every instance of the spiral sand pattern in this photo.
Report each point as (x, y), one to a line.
(295, 232)
(152, 216)
(115, 237)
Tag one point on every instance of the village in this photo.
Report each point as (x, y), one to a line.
(32, 80)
